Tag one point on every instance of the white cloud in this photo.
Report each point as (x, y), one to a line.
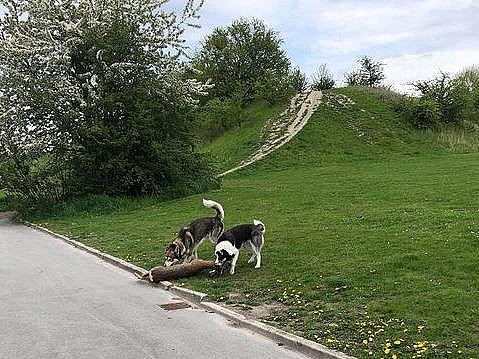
(414, 38)
(405, 69)
(347, 44)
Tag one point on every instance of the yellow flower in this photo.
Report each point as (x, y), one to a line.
(387, 350)
(365, 342)
(395, 356)
(397, 342)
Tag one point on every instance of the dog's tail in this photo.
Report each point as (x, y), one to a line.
(259, 224)
(220, 213)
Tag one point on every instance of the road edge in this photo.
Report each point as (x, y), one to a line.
(292, 341)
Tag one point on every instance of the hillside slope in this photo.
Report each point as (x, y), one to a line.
(371, 234)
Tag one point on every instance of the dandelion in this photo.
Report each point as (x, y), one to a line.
(397, 342)
(387, 350)
(394, 356)
(365, 342)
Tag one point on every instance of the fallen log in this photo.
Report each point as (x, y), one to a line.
(158, 274)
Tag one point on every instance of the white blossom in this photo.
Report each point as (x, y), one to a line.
(40, 90)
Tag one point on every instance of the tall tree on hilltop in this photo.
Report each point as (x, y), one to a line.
(237, 57)
(370, 73)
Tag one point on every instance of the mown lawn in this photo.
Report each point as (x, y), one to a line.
(349, 248)
(372, 240)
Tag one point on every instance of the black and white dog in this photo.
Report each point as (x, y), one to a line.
(227, 249)
(184, 247)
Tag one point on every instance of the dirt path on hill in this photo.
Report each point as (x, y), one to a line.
(282, 129)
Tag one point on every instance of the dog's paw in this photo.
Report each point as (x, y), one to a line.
(257, 266)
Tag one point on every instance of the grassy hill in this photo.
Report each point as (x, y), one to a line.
(237, 143)
(371, 232)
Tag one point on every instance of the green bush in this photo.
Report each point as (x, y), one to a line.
(322, 79)
(108, 112)
(467, 85)
(422, 113)
(215, 117)
(370, 73)
(297, 81)
(273, 87)
(444, 92)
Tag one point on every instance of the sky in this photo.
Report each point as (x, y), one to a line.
(415, 39)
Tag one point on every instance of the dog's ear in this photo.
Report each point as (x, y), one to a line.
(260, 225)
(182, 232)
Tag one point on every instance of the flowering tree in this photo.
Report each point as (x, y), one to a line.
(93, 95)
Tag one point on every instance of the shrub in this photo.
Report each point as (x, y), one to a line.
(370, 73)
(297, 81)
(467, 84)
(217, 116)
(444, 92)
(273, 87)
(92, 103)
(322, 79)
(422, 113)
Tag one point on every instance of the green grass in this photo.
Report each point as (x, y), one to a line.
(371, 235)
(238, 143)
(369, 129)
(458, 140)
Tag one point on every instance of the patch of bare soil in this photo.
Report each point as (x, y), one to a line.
(252, 312)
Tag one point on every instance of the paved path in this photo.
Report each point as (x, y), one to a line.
(59, 302)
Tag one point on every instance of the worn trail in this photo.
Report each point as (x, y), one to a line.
(282, 129)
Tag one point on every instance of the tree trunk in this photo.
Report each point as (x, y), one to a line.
(159, 274)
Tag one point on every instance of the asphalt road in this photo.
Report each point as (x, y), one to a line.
(59, 302)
